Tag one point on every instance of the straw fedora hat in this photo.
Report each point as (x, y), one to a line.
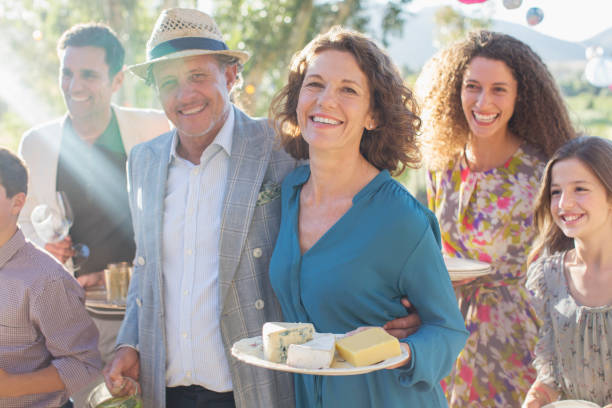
(180, 33)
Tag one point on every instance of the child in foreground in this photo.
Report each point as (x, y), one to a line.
(571, 281)
(48, 342)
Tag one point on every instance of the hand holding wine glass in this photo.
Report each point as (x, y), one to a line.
(53, 225)
(61, 250)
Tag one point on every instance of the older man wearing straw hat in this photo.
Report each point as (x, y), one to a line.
(206, 211)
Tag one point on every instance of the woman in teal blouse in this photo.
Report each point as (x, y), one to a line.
(352, 240)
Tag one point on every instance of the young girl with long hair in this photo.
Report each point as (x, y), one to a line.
(571, 280)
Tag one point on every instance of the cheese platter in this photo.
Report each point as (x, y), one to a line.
(251, 351)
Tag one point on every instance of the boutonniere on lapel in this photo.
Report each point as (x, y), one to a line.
(269, 191)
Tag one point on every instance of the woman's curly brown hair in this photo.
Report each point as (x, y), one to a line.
(392, 145)
(540, 115)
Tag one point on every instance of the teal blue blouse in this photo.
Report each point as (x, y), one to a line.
(385, 246)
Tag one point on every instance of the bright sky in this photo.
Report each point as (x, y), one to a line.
(570, 20)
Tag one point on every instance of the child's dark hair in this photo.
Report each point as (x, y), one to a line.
(13, 173)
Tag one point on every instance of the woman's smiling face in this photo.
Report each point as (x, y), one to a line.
(488, 96)
(334, 102)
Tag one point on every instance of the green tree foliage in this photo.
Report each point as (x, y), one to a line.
(10, 125)
(34, 26)
(29, 30)
(273, 30)
(451, 25)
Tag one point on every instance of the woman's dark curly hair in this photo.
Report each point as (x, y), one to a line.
(392, 145)
(540, 115)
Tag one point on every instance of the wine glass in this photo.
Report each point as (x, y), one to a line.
(53, 226)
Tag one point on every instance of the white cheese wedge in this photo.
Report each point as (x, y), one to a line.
(315, 354)
(278, 336)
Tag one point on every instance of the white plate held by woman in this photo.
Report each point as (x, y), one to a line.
(572, 404)
(250, 351)
(460, 268)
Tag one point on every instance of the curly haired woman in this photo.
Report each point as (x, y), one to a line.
(492, 117)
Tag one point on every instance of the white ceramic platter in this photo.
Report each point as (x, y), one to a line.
(250, 351)
(459, 268)
(572, 404)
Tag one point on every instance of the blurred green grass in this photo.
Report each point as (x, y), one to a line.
(11, 129)
(592, 114)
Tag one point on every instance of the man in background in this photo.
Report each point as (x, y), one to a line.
(83, 154)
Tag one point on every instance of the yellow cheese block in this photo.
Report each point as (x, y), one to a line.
(368, 347)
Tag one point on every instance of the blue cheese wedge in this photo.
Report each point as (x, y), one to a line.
(315, 354)
(278, 336)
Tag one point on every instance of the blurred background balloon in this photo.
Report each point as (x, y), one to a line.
(472, 1)
(593, 51)
(512, 4)
(598, 71)
(535, 15)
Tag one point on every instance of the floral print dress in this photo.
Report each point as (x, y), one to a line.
(574, 354)
(488, 216)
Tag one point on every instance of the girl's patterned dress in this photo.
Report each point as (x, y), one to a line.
(488, 216)
(574, 354)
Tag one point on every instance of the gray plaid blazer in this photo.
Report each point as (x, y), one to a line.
(251, 219)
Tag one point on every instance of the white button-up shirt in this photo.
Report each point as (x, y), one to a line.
(193, 207)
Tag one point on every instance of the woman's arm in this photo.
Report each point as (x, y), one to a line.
(442, 335)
